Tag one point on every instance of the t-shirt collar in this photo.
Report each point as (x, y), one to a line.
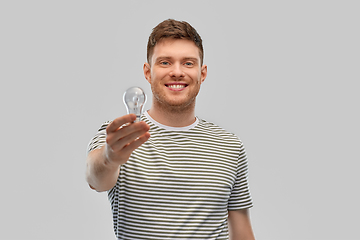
(169, 128)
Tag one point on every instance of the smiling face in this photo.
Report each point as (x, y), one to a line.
(175, 74)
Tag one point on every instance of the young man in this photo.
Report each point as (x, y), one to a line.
(172, 175)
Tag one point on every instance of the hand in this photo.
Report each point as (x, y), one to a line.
(123, 137)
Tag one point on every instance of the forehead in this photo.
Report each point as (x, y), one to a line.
(176, 48)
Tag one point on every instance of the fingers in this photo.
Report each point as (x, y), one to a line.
(126, 135)
(123, 126)
(135, 144)
(141, 127)
(122, 131)
(123, 136)
(118, 122)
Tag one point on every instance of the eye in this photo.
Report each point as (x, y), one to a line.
(189, 64)
(164, 63)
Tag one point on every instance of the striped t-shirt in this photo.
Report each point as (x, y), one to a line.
(180, 184)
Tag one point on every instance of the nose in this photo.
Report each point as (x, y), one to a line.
(177, 72)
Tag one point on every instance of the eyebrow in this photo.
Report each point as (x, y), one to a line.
(162, 57)
(186, 58)
(192, 58)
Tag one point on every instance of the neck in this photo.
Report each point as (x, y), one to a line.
(173, 117)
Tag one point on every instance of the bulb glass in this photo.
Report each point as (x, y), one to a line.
(134, 100)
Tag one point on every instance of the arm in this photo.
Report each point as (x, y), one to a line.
(100, 173)
(240, 225)
(121, 140)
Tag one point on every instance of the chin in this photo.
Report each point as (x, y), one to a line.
(180, 106)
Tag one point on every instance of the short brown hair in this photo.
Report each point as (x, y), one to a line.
(171, 28)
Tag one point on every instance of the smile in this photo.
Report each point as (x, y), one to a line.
(176, 86)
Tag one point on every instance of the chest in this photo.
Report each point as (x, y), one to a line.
(178, 168)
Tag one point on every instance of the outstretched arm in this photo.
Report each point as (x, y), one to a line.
(122, 138)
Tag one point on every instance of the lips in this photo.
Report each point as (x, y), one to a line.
(176, 86)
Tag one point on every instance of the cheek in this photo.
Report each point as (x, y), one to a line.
(196, 74)
(158, 75)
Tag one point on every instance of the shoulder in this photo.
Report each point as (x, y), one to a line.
(99, 138)
(104, 126)
(215, 130)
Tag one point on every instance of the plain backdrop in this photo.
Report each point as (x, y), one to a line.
(283, 75)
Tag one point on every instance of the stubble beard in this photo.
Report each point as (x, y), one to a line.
(174, 107)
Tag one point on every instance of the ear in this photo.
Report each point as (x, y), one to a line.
(203, 73)
(147, 72)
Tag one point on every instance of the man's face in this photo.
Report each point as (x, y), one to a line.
(175, 74)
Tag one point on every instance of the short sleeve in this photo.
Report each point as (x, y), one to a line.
(99, 139)
(240, 197)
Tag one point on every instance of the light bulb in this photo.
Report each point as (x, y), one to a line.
(134, 99)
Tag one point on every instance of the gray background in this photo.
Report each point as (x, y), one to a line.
(283, 75)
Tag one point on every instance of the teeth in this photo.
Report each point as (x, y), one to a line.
(176, 86)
